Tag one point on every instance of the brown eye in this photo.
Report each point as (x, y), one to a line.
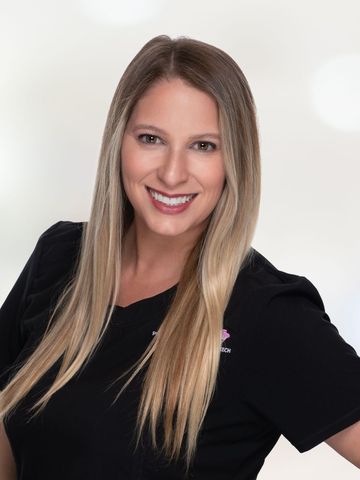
(147, 136)
(206, 144)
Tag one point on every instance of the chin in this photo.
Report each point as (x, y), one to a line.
(168, 230)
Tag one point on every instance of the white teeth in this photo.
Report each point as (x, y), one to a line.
(170, 201)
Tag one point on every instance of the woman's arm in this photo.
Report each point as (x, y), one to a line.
(7, 461)
(347, 443)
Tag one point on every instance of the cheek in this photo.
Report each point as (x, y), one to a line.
(214, 177)
(128, 157)
(130, 164)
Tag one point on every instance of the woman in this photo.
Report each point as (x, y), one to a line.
(153, 341)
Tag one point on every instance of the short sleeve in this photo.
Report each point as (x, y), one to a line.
(305, 378)
(11, 341)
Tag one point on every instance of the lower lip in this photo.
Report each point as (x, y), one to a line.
(167, 209)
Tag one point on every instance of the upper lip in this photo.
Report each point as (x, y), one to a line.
(171, 195)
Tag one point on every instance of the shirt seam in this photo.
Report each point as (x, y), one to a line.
(340, 424)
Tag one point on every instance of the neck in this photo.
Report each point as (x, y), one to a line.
(149, 255)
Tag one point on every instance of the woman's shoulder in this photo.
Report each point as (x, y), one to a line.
(60, 239)
(264, 281)
(293, 358)
(59, 248)
(62, 231)
(42, 279)
(264, 293)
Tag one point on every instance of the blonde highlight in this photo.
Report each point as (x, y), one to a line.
(182, 360)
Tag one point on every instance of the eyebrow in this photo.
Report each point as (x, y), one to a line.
(160, 130)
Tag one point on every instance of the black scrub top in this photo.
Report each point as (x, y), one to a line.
(284, 369)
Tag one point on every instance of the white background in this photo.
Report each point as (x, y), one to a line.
(60, 65)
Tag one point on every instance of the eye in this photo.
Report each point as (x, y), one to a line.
(147, 136)
(206, 144)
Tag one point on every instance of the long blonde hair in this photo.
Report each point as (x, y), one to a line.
(183, 358)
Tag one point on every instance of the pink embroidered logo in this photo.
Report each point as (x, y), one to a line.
(224, 335)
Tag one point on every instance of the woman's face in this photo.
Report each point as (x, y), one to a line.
(172, 145)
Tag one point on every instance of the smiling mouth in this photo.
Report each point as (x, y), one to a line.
(174, 204)
(178, 195)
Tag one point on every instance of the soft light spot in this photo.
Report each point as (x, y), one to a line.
(335, 92)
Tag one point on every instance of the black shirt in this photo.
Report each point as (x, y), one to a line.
(284, 369)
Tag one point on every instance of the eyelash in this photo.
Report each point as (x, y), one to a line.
(155, 136)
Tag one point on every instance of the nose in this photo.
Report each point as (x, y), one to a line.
(174, 168)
